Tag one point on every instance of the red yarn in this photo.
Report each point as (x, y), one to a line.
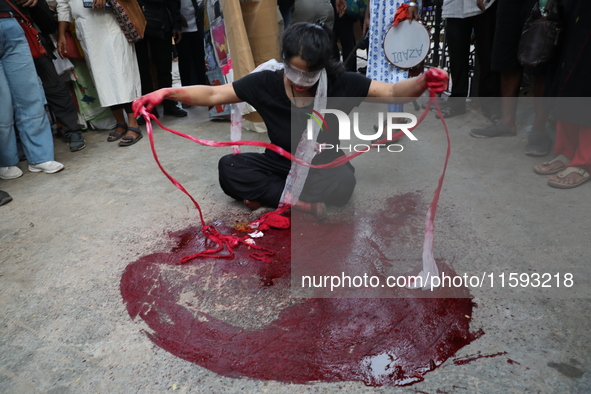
(401, 14)
(272, 219)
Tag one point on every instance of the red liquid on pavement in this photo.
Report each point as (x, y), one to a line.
(469, 359)
(234, 317)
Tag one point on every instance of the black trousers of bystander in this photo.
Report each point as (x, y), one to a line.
(156, 53)
(192, 59)
(459, 37)
(58, 95)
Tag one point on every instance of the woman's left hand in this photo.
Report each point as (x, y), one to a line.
(436, 79)
(149, 101)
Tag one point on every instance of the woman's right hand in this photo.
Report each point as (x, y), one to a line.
(149, 101)
(62, 45)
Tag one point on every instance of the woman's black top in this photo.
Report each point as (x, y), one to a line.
(265, 91)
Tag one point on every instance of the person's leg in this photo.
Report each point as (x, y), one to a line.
(344, 32)
(509, 24)
(27, 97)
(142, 51)
(161, 49)
(8, 147)
(582, 157)
(257, 177)
(186, 50)
(489, 91)
(199, 59)
(333, 186)
(131, 132)
(567, 139)
(565, 147)
(60, 102)
(538, 142)
(507, 126)
(121, 128)
(143, 54)
(458, 34)
(285, 7)
(510, 84)
(578, 144)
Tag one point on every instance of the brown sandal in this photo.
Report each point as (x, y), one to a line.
(569, 170)
(561, 158)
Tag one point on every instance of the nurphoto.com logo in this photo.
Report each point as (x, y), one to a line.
(392, 126)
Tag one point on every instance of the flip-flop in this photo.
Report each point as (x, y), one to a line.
(117, 136)
(569, 170)
(127, 141)
(561, 158)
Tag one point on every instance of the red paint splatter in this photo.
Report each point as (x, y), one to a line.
(512, 362)
(473, 357)
(235, 317)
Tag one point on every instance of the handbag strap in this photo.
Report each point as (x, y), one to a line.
(17, 10)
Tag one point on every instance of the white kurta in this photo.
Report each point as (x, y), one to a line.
(381, 16)
(110, 57)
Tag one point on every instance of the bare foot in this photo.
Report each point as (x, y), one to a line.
(553, 166)
(573, 178)
(131, 133)
(317, 209)
(120, 130)
(550, 167)
(252, 204)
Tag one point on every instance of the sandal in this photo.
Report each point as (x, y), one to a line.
(569, 170)
(561, 158)
(449, 112)
(116, 136)
(127, 141)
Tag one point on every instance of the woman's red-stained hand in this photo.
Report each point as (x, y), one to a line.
(437, 79)
(149, 101)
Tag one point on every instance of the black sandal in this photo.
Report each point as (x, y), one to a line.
(127, 141)
(117, 136)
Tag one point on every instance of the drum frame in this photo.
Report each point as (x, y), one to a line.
(424, 56)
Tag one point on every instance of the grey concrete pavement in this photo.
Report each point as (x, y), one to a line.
(66, 238)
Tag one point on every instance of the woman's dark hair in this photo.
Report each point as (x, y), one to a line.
(313, 43)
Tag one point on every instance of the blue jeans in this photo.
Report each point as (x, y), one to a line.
(21, 100)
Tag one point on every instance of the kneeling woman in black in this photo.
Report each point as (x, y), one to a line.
(284, 96)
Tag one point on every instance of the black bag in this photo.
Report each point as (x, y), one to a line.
(541, 34)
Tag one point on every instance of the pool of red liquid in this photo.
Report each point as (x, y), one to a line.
(379, 341)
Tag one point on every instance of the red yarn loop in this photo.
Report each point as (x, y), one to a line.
(225, 244)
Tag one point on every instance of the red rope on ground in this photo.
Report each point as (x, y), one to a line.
(273, 219)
